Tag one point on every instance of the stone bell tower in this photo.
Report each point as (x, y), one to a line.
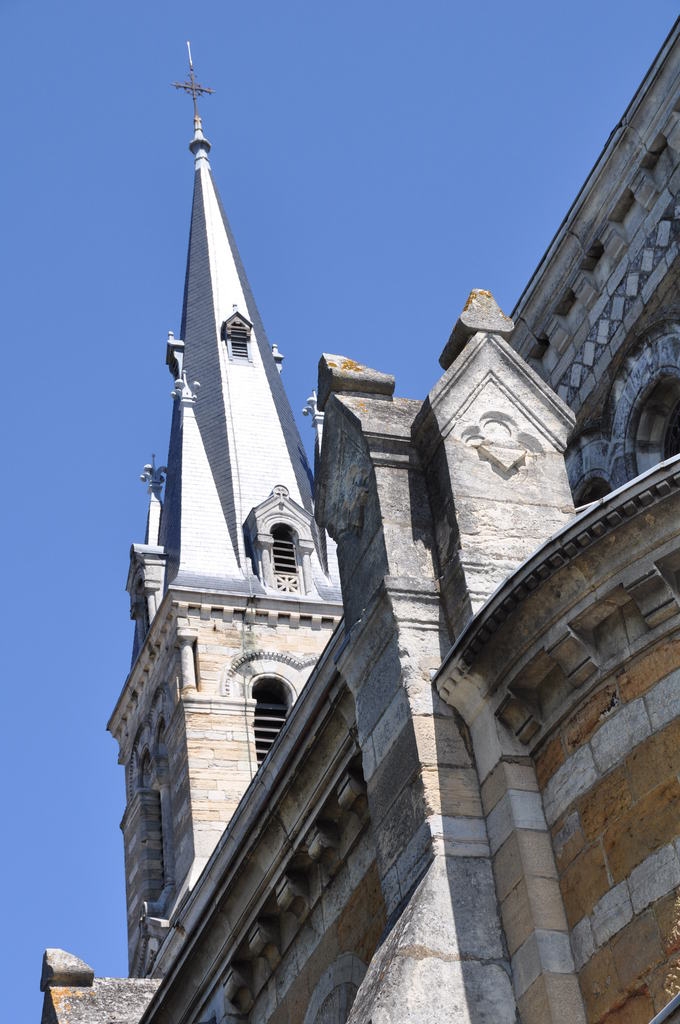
(234, 592)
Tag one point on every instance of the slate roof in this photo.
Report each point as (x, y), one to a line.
(239, 439)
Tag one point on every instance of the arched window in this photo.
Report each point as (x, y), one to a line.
(593, 490)
(152, 832)
(271, 711)
(671, 444)
(284, 556)
(657, 435)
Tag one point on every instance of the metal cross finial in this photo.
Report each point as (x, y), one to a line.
(192, 86)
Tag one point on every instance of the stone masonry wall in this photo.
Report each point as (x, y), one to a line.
(353, 920)
(609, 779)
(187, 712)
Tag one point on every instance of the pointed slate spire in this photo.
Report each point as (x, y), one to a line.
(239, 438)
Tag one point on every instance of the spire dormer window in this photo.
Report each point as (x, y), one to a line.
(279, 535)
(237, 331)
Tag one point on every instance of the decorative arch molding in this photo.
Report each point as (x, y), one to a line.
(150, 739)
(335, 991)
(245, 668)
(638, 411)
(158, 709)
(654, 364)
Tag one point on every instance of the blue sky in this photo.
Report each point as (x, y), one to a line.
(377, 160)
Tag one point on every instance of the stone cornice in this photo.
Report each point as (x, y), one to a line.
(628, 171)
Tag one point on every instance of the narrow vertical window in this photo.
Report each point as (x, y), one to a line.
(271, 710)
(284, 555)
(152, 833)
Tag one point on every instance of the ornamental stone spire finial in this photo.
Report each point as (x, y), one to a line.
(183, 391)
(312, 409)
(154, 477)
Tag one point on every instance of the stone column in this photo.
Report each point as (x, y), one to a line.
(186, 641)
(306, 568)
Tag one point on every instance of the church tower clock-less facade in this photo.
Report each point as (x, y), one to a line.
(234, 592)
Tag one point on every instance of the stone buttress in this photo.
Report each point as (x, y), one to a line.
(415, 495)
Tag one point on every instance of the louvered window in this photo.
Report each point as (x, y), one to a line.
(238, 344)
(271, 710)
(286, 575)
(236, 331)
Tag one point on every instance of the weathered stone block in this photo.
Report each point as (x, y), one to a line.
(637, 948)
(339, 373)
(589, 717)
(611, 913)
(656, 759)
(662, 701)
(572, 779)
(649, 824)
(667, 914)
(507, 775)
(454, 908)
(518, 809)
(543, 952)
(426, 989)
(459, 837)
(604, 803)
(60, 968)
(640, 676)
(523, 853)
(568, 840)
(600, 984)
(549, 760)
(582, 942)
(552, 997)
(451, 792)
(583, 883)
(440, 740)
(533, 903)
(656, 876)
(617, 737)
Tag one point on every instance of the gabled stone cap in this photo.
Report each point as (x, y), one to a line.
(63, 969)
(339, 373)
(480, 313)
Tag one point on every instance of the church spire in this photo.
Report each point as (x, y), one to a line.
(237, 439)
(235, 591)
